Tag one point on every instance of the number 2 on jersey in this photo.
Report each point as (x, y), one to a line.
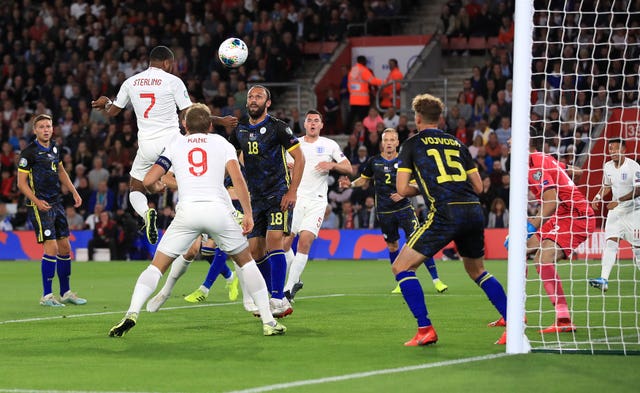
(153, 102)
(452, 162)
(198, 160)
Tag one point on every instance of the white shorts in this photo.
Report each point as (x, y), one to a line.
(195, 218)
(147, 155)
(308, 215)
(623, 224)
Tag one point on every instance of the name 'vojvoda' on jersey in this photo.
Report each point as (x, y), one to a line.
(437, 140)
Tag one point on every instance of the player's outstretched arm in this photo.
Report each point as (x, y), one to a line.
(105, 104)
(226, 121)
(344, 182)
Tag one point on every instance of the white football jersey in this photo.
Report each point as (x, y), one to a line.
(154, 95)
(314, 183)
(198, 162)
(622, 181)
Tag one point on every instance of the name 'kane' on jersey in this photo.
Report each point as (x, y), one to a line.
(41, 164)
(383, 172)
(264, 147)
(440, 164)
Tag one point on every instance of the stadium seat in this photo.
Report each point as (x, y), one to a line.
(102, 254)
(82, 254)
(477, 44)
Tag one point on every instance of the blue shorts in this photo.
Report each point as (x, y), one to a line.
(267, 216)
(463, 223)
(49, 225)
(390, 223)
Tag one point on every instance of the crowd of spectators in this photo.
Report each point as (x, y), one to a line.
(57, 56)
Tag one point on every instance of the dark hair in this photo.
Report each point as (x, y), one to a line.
(160, 53)
(536, 138)
(263, 88)
(361, 60)
(313, 112)
(617, 140)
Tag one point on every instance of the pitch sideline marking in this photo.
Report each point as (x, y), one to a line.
(307, 382)
(366, 374)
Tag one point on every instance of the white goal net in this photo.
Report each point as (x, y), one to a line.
(581, 92)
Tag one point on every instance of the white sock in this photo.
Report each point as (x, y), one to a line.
(289, 257)
(178, 268)
(204, 289)
(608, 258)
(258, 289)
(146, 284)
(139, 203)
(297, 267)
(247, 301)
(231, 277)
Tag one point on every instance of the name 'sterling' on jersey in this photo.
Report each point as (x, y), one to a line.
(147, 82)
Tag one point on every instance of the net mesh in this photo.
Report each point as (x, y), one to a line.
(585, 59)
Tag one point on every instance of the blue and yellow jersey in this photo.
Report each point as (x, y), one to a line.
(440, 164)
(41, 164)
(383, 173)
(264, 147)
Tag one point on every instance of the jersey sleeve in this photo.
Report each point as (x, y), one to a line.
(636, 174)
(286, 137)
(233, 139)
(467, 160)
(367, 169)
(405, 160)
(336, 152)
(181, 95)
(26, 160)
(229, 152)
(606, 178)
(166, 158)
(123, 97)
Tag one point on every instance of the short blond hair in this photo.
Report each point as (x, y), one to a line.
(392, 131)
(429, 107)
(41, 117)
(198, 119)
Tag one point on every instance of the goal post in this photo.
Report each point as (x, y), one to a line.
(516, 339)
(575, 77)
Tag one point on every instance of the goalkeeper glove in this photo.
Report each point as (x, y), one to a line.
(530, 231)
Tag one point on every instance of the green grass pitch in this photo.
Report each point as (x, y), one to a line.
(345, 335)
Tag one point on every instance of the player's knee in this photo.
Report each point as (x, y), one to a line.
(392, 246)
(612, 245)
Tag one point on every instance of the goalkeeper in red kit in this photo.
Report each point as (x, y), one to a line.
(563, 222)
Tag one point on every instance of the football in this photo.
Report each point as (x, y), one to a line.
(233, 52)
